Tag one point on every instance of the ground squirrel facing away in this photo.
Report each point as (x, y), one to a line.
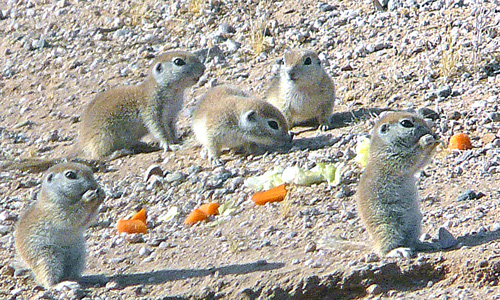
(49, 236)
(117, 119)
(401, 144)
(227, 117)
(302, 90)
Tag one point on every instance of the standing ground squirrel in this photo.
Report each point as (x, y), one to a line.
(49, 235)
(303, 91)
(401, 144)
(117, 119)
(227, 117)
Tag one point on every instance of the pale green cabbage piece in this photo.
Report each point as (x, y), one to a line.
(330, 173)
(362, 151)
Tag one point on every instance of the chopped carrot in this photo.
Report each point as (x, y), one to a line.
(131, 226)
(195, 216)
(276, 194)
(210, 209)
(141, 215)
(460, 141)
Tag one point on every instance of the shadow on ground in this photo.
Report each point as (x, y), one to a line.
(162, 276)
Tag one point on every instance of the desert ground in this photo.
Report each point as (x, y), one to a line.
(56, 56)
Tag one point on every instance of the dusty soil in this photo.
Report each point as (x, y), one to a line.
(57, 55)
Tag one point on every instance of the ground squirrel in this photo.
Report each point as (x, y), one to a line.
(227, 117)
(401, 144)
(49, 235)
(302, 90)
(117, 119)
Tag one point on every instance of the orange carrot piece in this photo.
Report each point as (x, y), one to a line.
(195, 216)
(141, 215)
(460, 141)
(276, 194)
(131, 226)
(210, 209)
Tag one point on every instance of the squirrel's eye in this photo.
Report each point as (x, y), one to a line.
(307, 61)
(70, 175)
(406, 123)
(274, 125)
(179, 62)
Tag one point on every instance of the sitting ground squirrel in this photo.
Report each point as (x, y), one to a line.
(49, 235)
(302, 90)
(117, 119)
(401, 144)
(227, 117)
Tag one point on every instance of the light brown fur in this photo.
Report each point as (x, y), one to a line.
(302, 90)
(118, 119)
(401, 144)
(49, 236)
(227, 117)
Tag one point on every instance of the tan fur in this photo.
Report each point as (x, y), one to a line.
(387, 193)
(221, 121)
(119, 118)
(303, 92)
(49, 235)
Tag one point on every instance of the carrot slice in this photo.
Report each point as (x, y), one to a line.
(141, 215)
(276, 194)
(210, 209)
(460, 141)
(195, 216)
(131, 226)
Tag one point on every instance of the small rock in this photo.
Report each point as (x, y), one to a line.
(153, 170)
(374, 289)
(225, 28)
(445, 239)
(134, 238)
(173, 177)
(311, 247)
(325, 7)
(469, 195)
(495, 227)
(493, 116)
(112, 285)
(144, 251)
(483, 264)
(4, 229)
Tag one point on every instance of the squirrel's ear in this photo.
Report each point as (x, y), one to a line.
(158, 68)
(250, 116)
(383, 128)
(50, 177)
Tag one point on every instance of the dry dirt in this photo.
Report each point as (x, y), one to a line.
(55, 56)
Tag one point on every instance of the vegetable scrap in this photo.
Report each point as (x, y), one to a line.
(136, 224)
(276, 194)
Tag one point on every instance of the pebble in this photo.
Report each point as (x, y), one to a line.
(310, 247)
(374, 289)
(445, 239)
(469, 195)
(153, 170)
(175, 177)
(144, 251)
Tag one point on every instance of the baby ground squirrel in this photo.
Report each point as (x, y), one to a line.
(49, 235)
(302, 90)
(227, 117)
(117, 119)
(401, 144)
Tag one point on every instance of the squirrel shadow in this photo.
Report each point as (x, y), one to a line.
(162, 276)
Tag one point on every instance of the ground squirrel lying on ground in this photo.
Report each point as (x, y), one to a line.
(227, 117)
(302, 90)
(117, 119)
(49, 236)
(401, 144)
